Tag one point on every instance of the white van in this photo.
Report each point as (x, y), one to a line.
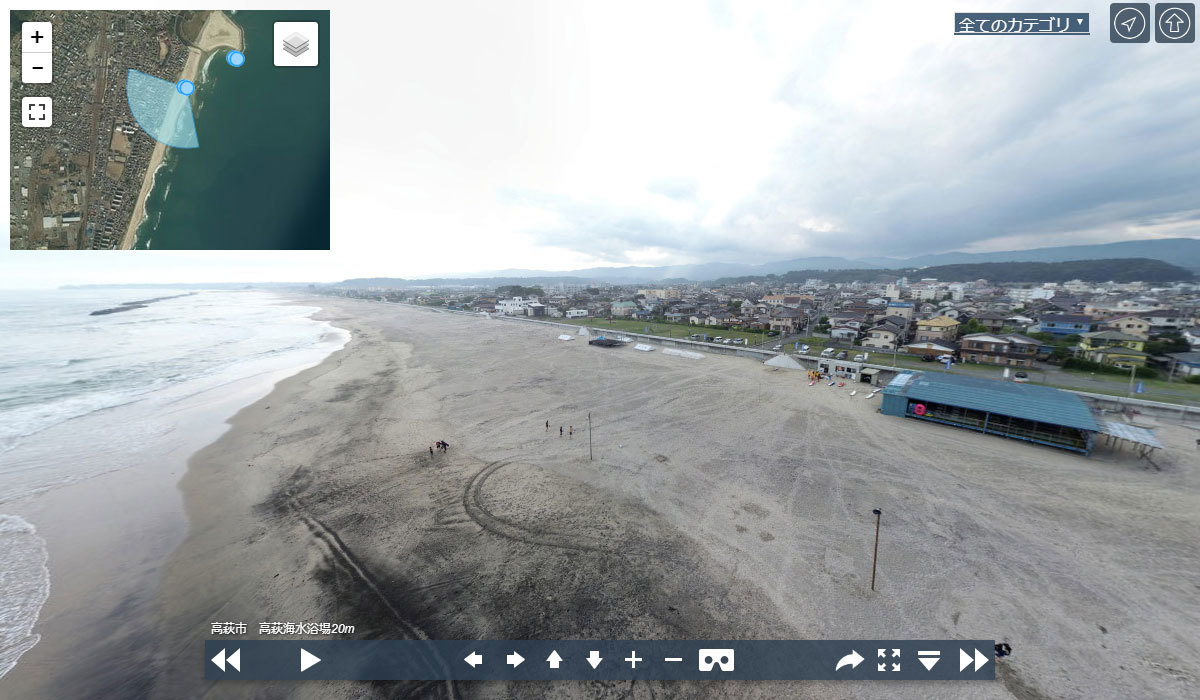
(827, 352)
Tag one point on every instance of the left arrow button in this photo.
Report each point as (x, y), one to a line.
(474, 658)
(308, 660)
(234, 660)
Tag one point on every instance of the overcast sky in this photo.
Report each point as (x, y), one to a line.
(472, 136)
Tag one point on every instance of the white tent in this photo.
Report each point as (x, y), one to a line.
(582, 331)
(785, 361)
(683, 353)
(643, 347)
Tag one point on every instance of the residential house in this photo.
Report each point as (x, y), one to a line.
(1011, 349)
(1185, 364)
(884, 336)
(937, 328)
(900, 308)
(846, 334)
(991, 320)
(718, 318)
(788, 321)
(577, 313)
(1066, 324)
(1165, 320)
(1113, 348)
(1128, 324)
(1192, 335)
(514, 306)
(623, 309)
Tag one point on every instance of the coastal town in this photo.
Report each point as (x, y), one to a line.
(1074, 334)
(80, 183)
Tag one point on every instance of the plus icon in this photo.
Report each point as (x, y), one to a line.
(633, 659)
(37, 36)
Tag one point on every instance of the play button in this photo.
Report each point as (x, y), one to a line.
(308, 660)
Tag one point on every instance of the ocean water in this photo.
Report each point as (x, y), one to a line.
(260, 178)
(84, 395)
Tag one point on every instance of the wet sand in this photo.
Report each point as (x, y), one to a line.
(726, 500)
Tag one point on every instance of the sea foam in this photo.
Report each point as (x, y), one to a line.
(24, 586)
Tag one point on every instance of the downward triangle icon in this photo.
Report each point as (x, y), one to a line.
(928, 663)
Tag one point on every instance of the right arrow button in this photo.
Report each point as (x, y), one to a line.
(965, 659)
(980, 659)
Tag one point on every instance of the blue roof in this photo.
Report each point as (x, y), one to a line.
(1040, 403)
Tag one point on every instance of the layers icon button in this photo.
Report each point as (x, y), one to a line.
(297, 43)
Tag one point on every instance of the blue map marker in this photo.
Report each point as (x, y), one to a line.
(235, 58)
(185, 87)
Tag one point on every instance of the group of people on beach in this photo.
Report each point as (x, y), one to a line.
(560, 430)
(441, 446)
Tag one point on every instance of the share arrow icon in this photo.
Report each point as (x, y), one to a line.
(853, 659)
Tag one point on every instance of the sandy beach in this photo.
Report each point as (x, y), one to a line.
(726, 500)
(218, 32)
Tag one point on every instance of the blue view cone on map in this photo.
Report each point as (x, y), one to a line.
(161, 110)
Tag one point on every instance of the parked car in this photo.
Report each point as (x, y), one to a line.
(772, 333)
(926, 358)
(945, 358)
(841, 355)
(718, 339)
(739, 341)
(804, 348)
(858, 357)
(827, 352)
(777, 348)
(1020, 377)
(727, 341)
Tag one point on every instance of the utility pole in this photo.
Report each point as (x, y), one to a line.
(1132, 370)
(589, 436)
(875, 558)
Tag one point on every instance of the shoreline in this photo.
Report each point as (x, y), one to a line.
(101, 611)
(213, 36)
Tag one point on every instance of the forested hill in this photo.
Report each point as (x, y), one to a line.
(1107, 270)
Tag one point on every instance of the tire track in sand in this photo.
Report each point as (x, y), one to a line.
(337, 551)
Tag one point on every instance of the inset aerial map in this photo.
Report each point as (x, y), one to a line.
(140, 129)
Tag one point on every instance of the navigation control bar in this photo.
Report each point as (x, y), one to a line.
(381, 660)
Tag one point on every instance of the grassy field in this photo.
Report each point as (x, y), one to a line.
(669, 330)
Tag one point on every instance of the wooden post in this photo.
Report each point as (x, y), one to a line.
(875, 558)
(589, 435)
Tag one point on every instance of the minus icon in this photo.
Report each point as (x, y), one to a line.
(673, 658)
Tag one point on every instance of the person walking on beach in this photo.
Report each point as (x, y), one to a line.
(547, 426)
(445, 446)
(571, 434)
(560, 431)
(431, 450)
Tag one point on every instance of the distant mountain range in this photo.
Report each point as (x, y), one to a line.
(1184, 252)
